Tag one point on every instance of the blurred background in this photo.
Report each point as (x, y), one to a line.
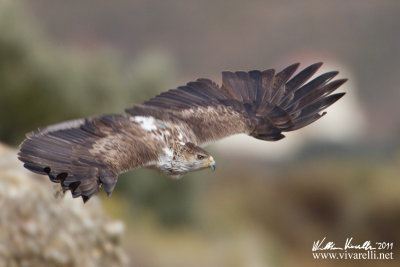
(267, 202)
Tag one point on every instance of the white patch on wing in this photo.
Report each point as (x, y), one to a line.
(161, 124)
(147, 123)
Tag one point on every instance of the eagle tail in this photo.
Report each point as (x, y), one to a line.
(280, 104)
(62, 152)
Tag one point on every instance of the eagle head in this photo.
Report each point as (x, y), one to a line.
(187, 158)
(195, 158)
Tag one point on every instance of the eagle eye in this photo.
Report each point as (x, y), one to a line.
(200, 157)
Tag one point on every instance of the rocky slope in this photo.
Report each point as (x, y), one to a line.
(37, 229)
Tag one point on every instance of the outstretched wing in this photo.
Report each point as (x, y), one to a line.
(262, 104)
(85, 154)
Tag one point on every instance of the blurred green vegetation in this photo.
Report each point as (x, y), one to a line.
(41, 84)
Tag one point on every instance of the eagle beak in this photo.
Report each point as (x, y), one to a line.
(212, 163)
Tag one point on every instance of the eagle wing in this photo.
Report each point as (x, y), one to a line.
(85, 154)
(262, 104)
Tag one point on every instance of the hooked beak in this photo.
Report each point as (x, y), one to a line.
(212, 164)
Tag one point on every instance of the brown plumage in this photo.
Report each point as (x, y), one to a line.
(167, 132)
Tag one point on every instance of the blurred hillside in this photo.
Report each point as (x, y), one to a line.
(61, 60)
(38, 230)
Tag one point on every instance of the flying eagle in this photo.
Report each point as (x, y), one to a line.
(167, 132)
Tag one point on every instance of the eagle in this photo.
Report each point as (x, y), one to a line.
(167, 132)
